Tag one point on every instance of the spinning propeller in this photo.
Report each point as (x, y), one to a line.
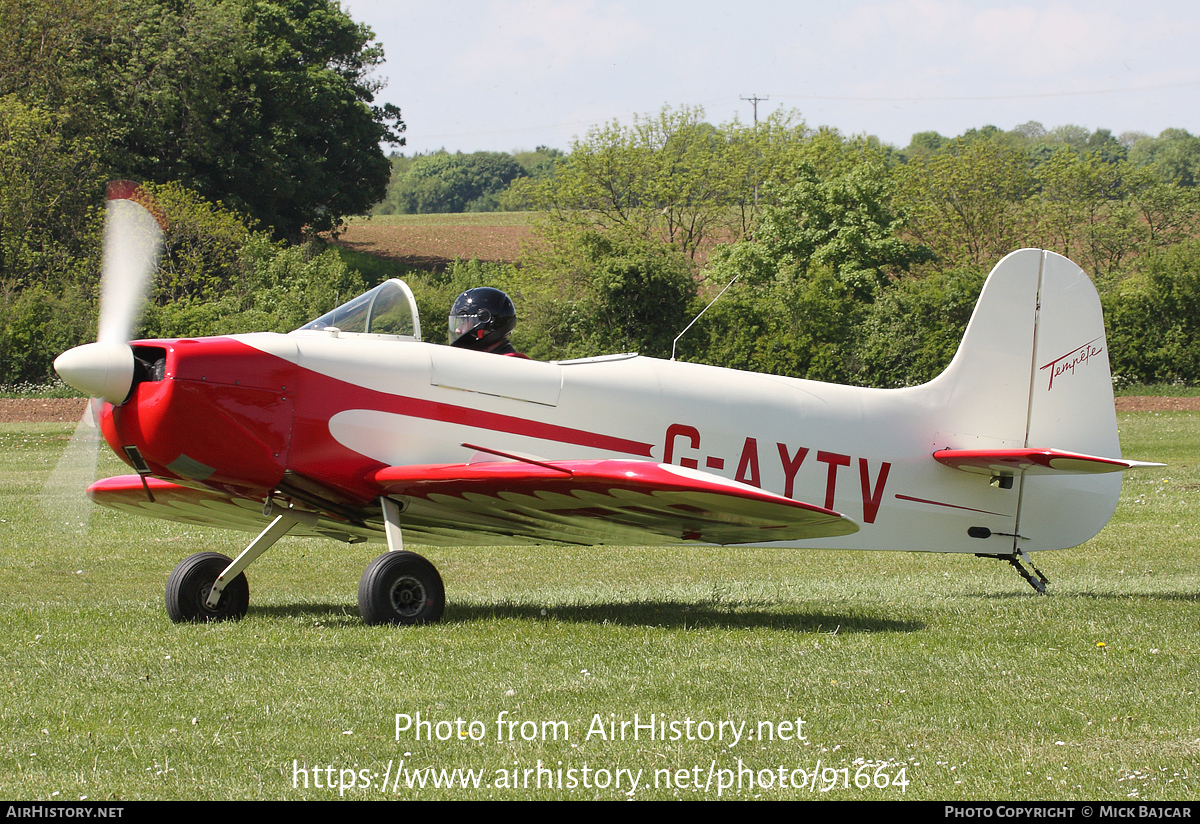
(105, 369)
(132, 239)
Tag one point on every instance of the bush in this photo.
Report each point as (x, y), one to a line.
(914, 328)
(591, 292)
(1154, 319)
(796, 325)
(38, 325)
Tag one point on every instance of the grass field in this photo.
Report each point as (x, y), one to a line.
(918, 676)
(1162, 390)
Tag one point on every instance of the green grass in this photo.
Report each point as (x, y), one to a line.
(375, 269)
(1166, 390)
(54, 388)
(947, 668)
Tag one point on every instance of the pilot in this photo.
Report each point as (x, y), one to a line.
(482, 319)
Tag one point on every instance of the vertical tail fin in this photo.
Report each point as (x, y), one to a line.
(985, 389)
(1032, 372)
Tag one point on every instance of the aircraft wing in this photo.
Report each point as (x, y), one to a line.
(565, 502)
(601, 501)
(1033, 462)
(207, 507)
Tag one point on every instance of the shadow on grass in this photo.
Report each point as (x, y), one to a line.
(665, 614)
(1098, 596)
(1143, 596)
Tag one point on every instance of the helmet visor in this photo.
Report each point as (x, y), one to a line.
(464, 323)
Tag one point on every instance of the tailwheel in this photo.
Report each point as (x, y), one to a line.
(192, 581)
(401, 588)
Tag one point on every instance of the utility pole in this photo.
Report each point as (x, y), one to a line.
(754, 99)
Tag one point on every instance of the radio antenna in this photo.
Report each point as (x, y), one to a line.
(702, 311)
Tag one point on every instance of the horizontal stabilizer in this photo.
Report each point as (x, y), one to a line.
(601, 501)
(1033, 462)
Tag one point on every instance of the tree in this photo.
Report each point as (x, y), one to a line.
(48, 183)
(217, 276)
(844, 222)
(1174, 156)
(967, 202)
(588, 291)
(265, 104)
(49, 239)
(38, 39)
(923, 144)
(443, 182)
(1154, 319)
(1103, 144)
(792, 324)
(912, 330)
(1031, 130)
(825, 248)
(540, 162)
(672, 177)
(539, 165)
(1102, 213)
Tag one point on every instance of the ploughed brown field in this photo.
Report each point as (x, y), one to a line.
(433, 242)
(436, 241)
(48, 410)
(41, 410)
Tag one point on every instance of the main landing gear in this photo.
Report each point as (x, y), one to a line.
(191, 583)
(401, 588)
(398, 587)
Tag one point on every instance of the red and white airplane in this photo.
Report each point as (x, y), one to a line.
(352, 428)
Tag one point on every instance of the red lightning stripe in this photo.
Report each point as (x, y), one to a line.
(951, 506)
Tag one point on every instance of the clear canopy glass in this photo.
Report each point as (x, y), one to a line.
(387, 310)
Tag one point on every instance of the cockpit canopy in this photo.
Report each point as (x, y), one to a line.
(387, 311)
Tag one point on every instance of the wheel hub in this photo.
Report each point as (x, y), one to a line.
(408, 596)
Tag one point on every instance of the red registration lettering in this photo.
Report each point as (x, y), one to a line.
(871, 500)
(834, 460)
(749, 463)
(674, 431)
(790, 466)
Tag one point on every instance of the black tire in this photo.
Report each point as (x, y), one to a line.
(401, 588)
(193, 579)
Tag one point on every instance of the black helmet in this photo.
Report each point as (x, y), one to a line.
(481, 318)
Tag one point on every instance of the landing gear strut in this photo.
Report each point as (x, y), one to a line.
(397, 588)
(209, 586)
(1038, 583)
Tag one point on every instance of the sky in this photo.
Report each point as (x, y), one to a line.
(509, 75)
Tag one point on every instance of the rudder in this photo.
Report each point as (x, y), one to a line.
(1070, 408)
